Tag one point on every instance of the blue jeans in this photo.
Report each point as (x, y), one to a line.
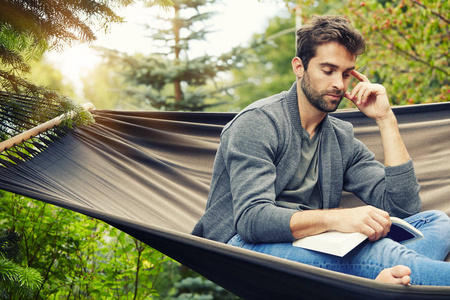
(425, 257)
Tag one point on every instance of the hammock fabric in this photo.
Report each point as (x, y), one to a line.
(148, 173)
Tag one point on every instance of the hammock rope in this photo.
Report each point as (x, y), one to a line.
(23, 131)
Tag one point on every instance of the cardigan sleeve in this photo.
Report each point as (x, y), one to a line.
(250, 147)
(394, 189)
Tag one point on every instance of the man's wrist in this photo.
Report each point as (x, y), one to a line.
(388, 124)
(395, 152)
(387, 120)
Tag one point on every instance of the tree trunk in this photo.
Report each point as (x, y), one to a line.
(176, 29)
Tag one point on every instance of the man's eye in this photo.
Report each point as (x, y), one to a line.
(328, 72)
(346, 75)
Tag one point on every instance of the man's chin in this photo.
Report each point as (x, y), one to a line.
(326, 105)
(333, 106)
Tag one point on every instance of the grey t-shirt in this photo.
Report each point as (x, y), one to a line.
(302, 192)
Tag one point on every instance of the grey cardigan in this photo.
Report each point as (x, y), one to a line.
(259, 154)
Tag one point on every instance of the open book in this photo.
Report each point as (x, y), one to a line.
(339, 243)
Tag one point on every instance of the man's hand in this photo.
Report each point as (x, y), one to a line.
(373, 222)
(370, 98)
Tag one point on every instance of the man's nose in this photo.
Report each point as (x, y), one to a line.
(338, 83)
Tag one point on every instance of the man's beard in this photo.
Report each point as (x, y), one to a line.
(317, 99)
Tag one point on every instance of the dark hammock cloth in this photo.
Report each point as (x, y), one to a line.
(148, 174)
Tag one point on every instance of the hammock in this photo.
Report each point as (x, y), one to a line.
(148, 173)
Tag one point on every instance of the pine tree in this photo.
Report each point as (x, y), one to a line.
(28, 28)
(170, 79)
(16, 281)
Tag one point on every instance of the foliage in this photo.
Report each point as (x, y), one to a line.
(16, 281)
(107, 88)
(30, 27)
(80, 257)
(199, 288)
(45, 74)
(58, 24)
(407, 47)
(83, 258)
(170, 79)
(271, 72)
(103, 87)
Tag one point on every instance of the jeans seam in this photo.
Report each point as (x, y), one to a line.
(420, 222)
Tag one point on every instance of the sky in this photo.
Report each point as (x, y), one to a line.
(234, 24)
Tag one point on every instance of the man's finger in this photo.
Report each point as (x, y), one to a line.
(359, 76)
(355, 91)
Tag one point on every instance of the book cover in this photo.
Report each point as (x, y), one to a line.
(331, 242)
(403, 232)
(340, 243)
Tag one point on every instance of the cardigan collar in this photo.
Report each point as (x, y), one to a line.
(294, 110)
(327, 139)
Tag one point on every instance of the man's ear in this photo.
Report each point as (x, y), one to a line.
(297, 67)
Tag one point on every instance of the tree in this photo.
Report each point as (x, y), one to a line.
(171, 79)
(407, 50)
(16, 281)
(77, 257)
(268, 73)
(30, 27)
(103, 87)
(45, 74)
(270, 70)
(407, 47)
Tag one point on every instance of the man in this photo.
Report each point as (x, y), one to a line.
(283, 162)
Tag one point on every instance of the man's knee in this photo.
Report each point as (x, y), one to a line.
(440, 220)
(437, 215)
(431, 216)
(434, 218)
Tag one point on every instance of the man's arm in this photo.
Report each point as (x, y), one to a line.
(401, 189)
(372, 100)
(371, 221)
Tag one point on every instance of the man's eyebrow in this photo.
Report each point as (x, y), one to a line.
(326, 64)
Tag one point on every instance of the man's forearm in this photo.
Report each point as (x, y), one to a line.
(373, 222)
(395, 152)
(309, 222)
(372, 100)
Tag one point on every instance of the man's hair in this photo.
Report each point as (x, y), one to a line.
(325, 29)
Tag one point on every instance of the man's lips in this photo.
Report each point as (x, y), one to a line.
(334, 96)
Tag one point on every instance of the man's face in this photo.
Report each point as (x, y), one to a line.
(326, 80)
